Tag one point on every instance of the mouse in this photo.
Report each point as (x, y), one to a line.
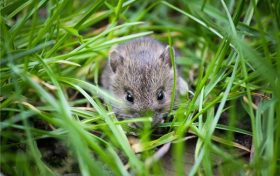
(139, 73)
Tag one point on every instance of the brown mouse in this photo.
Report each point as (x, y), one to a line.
(140, 74)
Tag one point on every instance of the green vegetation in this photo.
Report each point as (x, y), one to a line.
(52, 53)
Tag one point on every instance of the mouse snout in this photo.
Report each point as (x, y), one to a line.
(146, 112)
(143, 109)
(159, 118)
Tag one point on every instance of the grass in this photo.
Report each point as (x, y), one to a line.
(52, 53)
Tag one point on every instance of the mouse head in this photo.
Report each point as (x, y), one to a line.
(143, 81)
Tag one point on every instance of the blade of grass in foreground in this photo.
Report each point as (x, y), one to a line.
(116, 129)
(70, 125)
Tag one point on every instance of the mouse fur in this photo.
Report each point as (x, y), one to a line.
(140, 74)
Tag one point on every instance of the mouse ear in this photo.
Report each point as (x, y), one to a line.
(166, 55)
(115, 59)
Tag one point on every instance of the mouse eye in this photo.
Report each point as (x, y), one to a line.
(129, 97)
(160, 95)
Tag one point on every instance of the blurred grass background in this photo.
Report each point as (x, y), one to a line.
(52, 53)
